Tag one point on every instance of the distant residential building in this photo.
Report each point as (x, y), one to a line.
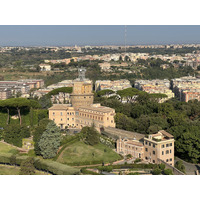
(45, 67)
(112, 85)
(22, 86)
(5, 93)
(154, 87)
(105, 66)
(186, 88)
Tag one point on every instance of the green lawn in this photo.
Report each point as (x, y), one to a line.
(5, 148)
(11, 170)
(79, 153)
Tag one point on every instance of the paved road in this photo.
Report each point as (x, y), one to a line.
(190, 168)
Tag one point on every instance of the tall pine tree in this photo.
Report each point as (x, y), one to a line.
(50, 141)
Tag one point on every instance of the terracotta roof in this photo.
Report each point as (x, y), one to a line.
(166, 134)
(99, 108)
(134, 143)
(59, 107)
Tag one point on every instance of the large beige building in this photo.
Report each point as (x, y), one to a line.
(82, 112)
(150, 148)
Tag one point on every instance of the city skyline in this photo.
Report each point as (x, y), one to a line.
(68, 35)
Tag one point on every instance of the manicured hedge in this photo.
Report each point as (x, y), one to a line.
(41, 164)
(55, 167)
(140, 166)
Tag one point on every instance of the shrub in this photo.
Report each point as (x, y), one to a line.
(105, 168)
(179, 165)
(168, 172)
(27, 167)
(137, 160)
(134, 173)
(156, 171)
(162, 166)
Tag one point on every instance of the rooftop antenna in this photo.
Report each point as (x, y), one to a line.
(125, 34)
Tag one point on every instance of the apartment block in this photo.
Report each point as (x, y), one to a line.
(112, 85)
(155, 86)
(5, 93)
(186, 88)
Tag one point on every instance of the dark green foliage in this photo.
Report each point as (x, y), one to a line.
(162, 166)
(27, 167)
(104, 92)
(90, 135)
(168, 172)
(156, 171)
(62, 89)
(13, 160)
(25, 132)
(129, 156)
(137, 160)
(45, 101)
(134, 173)
(50, 141)
(13, 134)
(105, 168)
(37, 133)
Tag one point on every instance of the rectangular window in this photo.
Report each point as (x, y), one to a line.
(146, 149)
(167, 160)
(61, 114)
(154, 145)
(53, 113)
(163, 146)
(149, 144)
(170, 144)
(153, 161)
(154, 152)
(167, 145)
(162, 152)
(170, 159)
(167, 152)
(146, 143)
(170, 151)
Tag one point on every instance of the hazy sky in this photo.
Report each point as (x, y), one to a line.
(97, 35)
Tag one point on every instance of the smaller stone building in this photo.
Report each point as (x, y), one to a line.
(151, 148)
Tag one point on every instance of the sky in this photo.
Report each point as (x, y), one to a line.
(24, 35)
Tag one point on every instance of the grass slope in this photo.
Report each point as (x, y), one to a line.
(14, 170)
(79, 153)
(4, 148)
